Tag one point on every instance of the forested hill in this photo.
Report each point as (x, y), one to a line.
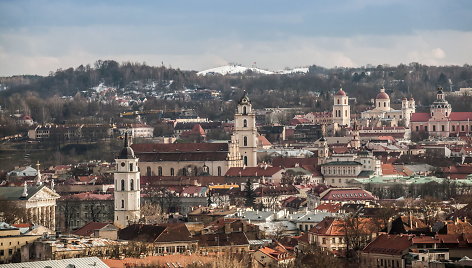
(413, 79)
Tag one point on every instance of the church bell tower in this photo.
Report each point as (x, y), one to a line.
(246, 132)
(127, 189)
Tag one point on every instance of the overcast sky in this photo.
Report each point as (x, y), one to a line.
(37, 37)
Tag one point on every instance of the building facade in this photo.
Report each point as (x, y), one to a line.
(245, 131)
(127, 188)
(341, 109)
(441, 121)
(384, 112)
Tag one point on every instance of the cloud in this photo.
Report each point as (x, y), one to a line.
(44, 50)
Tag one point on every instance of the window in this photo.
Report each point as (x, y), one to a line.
(462, 128)
(245, 123)
(219, 171)
(131, 185)
(334, 240)
(2, 252)
(148, 171)
(338, 101)
(184, 172)
(172, 171)
(122, 185)
(244, 110)
(122, 203)
(131, 167)
(345, 113)
(426, 128)
(245, 160)
(159, 171)
(385, 104)
(245, 141)
(10, 251)
(434, 128)
(442, 127)
(417, 128)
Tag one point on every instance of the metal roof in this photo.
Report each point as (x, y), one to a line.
(69, 263)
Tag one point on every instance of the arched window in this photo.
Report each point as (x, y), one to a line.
(219, 171)
(345, 101)
(385, 104)
(338, 101)
(245, 123)
(159, 171)
(131, 185)
(172, 171)
(244, 110)
(245, 141)
(345, 113)
(122, 185)
(148, 171)
(245, 160)
(122, 203)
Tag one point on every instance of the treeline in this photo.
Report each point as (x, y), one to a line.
(311, 90)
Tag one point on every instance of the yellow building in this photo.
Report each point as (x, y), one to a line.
(11, 241)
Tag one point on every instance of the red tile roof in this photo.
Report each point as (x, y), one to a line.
(420, 117)
(460, 116)
(89, 228)
(179, 147)
(263, 141)
(252, 171)
(389, 244)
(329, 207)
(346, 194)
(88, 196)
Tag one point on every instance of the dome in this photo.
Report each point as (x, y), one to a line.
(341, 92)
(404, 98)
(126, 153)
(382, 95)
(244, 99)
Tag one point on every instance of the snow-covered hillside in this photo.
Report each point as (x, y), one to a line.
(299, 70)
(238, 69)
(233, 69)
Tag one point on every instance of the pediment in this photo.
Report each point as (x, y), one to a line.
(44, 193)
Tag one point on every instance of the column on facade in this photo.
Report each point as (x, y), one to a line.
(36, 215)
(53, 218)
(47, 217)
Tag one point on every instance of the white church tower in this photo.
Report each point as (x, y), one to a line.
(127, 190)
(246, 132)
(341, 109)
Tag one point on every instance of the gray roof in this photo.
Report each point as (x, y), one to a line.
(255, 215)
(314, 217)
(75, 262)
(342, 163)
(14, 193)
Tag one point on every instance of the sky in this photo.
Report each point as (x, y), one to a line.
(37, 37)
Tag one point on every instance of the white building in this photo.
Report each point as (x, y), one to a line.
(245, 131)
(341, 109)
(383, 110)
(127, 188)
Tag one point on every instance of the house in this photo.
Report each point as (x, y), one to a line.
(263, 173)
(27, 171)
(222, 242)
(98, 229)
(386, 251)
(344, 195)
(168, 238)
(232, 225)
(137, 130)
(11, 241)
(273, 257)
(207, 215)
(331, 233)
(69, 262)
